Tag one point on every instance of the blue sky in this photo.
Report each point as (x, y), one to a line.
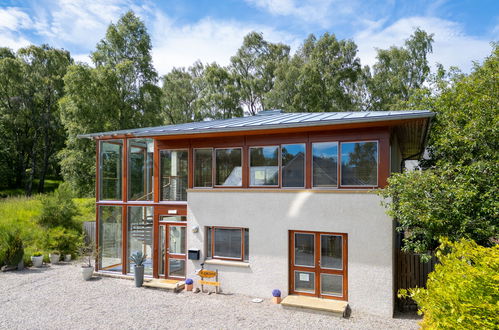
(185, 31)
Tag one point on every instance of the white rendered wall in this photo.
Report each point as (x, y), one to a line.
(270, 215)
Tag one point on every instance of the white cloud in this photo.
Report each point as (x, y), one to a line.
(13, 19)
(451, 47)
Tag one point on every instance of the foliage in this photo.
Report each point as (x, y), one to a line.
(87, 252)
(189, 281)
(463, 291)
(58, 209)
(11, 248)
(138, 258)
(37, 254)
(64, 240)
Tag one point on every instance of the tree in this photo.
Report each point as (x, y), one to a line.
(321, 76)
(457, 196)
(253, 68)
(119, 93)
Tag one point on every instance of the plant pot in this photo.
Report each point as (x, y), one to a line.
(67, 258)
(37, 261)
(276, 300)
(87, 272)
(20, 265)
(138, 273)
(54, 258)
(188, 287)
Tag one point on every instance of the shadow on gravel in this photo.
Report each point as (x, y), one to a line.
(33, 270)
(413, 315)
(94, 278)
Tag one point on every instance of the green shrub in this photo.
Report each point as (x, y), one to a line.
(463, 291)
(58, 209)
(62, 239)
(12, 249)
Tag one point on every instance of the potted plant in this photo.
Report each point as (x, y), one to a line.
(37, 259)
(87, 252)
(138, 258)
(67, 257)
(276, 296)
(189, 284)
(55, 256)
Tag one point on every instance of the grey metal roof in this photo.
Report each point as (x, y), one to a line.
(268, 120)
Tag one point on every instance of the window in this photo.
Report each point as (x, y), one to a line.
(325, 164)
(227, 243)
(359, 163)
(140, 237)
(228, 167)
(110, 171)
(174, 170)
(140, 169)
(110, 238)
(264, 166)
(293, 165)
(203, 165)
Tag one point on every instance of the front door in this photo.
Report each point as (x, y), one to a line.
(172, 250)
(318, 264)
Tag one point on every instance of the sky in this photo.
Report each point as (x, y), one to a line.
(212, 30)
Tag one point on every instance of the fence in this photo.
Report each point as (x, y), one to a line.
(411, 273)
(89, 230)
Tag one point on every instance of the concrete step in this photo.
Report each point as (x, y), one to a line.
(172, 285)
(335, 307)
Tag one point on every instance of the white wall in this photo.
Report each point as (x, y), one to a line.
(270, 215)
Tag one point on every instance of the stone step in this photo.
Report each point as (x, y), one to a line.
(172, 285)
(335, 307)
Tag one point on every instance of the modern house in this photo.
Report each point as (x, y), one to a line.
(275, 201)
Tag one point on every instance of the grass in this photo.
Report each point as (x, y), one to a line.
(50, 185)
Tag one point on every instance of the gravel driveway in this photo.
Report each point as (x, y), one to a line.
(55, 297)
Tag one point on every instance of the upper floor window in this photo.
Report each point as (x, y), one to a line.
(174, 175)
(325, 164)
(359, 163)
(264, 166)
(293, 165)
(203, 168)
(110, 169)
(140, 169)
(228, 169)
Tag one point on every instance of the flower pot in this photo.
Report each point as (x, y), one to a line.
(54, 258)
(276, 300)
(37, 261)
(87, 272)
(188, 287)
(67, 258)
(138, 273)
(20, 266)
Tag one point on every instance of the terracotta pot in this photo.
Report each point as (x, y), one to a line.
(276, 300)
(188, 287)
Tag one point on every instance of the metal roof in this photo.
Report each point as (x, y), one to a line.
(268, 120)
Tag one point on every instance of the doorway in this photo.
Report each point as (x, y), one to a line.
(172, 249)
(318, 264)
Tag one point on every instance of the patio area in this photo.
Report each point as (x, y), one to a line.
(55, 297)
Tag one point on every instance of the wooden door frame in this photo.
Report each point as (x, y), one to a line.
(317, 270)
(177, 256)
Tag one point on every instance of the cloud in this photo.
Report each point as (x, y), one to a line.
(12, 18)
(451, 47)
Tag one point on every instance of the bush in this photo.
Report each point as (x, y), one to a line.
(12, 250)
(62, 239)
(463, 291)
(58, 209)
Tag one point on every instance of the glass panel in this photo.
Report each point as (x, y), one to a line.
(228, 167)
(331, 251)
(174, 169)
(325, 164)
(140, 169)
(162, 250)
(176, 267)
(304, 249)
(111, 156)
(246, 244)
(293, 165)
(208, 242)
(332, 284)
(264, 166)
(177, 239)
(304, 281)
(359, 164)
(172, 218)
(140, 227)
(202, 168)
(228, 243)
(110, 238)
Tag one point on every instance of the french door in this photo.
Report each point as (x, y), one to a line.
(172, 250)
(318, 264)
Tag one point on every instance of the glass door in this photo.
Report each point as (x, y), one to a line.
(318, 264)
(172, 251)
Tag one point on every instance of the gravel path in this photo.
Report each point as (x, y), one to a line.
(55, 297)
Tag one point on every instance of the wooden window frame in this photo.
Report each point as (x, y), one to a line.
(304, 144)
(212, 167)
(123, 176)
(165, 201)
(278, 185)
(212, 241)
(215, 167)
(340, 176)
(152, 193)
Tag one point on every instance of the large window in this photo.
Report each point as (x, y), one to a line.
(110, 238)
(325, 164)
(110, 169)
(264, 166)
(293, 165)
(228, 167)
(174, 173)
(140, 169)
(140, 227)
(227, 243)
(203, 165)
(359, 163)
